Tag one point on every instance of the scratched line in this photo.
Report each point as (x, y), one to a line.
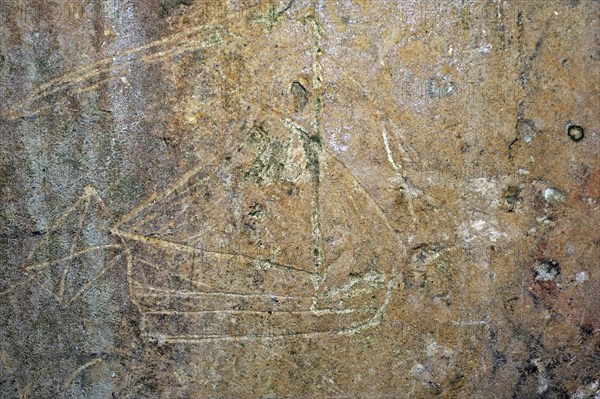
(161, 243)
(43, 265)
(177, 185)
(67, 267)
(259, 312)
(190, 280)
(180, 43)
(288, 122)
(76, 373)
(373, 321)
(60, 221)
(87, 285)
(161, 292)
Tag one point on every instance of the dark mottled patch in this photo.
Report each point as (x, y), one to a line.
(300, 96)
(434, 388)
(499, 360)
(586, 330)
(546, 270)
(166, 6)
(512, 197)
(560, 359)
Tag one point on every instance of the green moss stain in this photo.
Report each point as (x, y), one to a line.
(269, 18)
(269, 164)
(312, 148)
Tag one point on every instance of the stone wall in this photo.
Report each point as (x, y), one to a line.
(299, 199)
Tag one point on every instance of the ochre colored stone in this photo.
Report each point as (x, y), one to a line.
(299, 199)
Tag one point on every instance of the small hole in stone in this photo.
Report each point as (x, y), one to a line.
(575, 132)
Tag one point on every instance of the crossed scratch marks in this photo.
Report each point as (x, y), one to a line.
(179, 316)
(162, 243)
(209, 309)
(84, 215)
(332, 156)
(178, 185)
(49, 263)
(205, 312)
(85, 78)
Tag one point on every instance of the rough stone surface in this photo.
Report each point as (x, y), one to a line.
(299, 199)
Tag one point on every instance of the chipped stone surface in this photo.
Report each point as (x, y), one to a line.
(299, 199)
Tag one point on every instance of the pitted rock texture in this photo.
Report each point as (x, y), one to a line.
(299, 199)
